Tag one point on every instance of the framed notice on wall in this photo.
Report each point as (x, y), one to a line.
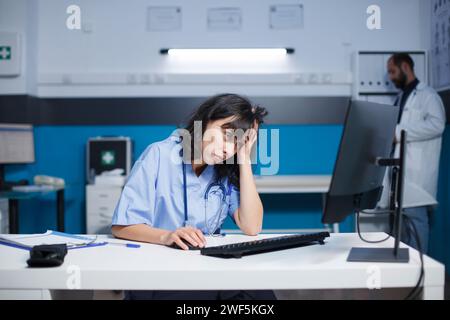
(164, 18)
(286, 16)
(223, 19)
(440, 39)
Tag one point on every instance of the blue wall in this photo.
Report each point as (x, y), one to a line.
(60, 151)
(306, 149)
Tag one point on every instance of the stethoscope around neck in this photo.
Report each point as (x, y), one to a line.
(215, 184)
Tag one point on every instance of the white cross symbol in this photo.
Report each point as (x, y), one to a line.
(4, 53)
(108, 157)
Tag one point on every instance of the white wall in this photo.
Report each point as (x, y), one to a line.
(32, 46)
(425, 26)
(120, 44)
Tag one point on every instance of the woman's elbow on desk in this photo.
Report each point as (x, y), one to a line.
(252, 232)
(249, 229)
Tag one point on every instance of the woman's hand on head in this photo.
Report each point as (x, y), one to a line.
(185, 234)
(247, 143)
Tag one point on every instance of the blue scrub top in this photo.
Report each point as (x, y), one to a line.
(153, 193)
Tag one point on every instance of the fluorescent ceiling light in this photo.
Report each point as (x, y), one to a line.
(229, 52)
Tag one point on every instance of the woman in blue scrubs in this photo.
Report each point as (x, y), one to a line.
(185, 186)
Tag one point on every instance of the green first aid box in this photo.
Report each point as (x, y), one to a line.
(107, 154)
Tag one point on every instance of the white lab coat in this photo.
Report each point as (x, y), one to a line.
(424, 120)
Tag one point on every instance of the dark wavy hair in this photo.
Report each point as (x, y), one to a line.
(223, 106)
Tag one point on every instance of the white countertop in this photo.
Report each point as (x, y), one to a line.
(293, 183)
(158, 267)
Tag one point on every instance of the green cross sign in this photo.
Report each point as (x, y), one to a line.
(5, 53)
(108, 158)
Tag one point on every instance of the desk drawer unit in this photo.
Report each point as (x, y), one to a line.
(100, 204)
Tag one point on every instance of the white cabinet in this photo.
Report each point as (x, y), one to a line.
(4, 223)
(101, 200)
(372, 80)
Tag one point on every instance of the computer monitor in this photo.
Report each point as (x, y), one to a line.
(106, 154)
(16, 147)
(357, 180)
(16, 143)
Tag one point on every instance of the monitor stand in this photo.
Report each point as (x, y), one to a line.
(378, 255)
(394, 254)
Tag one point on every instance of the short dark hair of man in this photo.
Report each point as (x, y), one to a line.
(399, 58)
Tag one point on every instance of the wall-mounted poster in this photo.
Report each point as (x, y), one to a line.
(440, 50)
(289, 16)
(224, 19)
(164, 19)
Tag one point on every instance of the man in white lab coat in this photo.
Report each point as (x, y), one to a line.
(422, 115)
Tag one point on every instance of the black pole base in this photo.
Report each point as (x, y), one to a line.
(378, 255)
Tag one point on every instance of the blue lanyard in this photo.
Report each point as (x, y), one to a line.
(185, 194)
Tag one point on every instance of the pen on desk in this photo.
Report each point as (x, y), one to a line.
(128, 245)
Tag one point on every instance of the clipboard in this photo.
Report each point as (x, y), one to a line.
(27, 242)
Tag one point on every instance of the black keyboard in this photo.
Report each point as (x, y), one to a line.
(237, 250)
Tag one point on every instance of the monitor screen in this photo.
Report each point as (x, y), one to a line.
(16, 143)
(106, 154)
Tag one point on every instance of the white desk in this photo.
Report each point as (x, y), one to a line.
(161, 268)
